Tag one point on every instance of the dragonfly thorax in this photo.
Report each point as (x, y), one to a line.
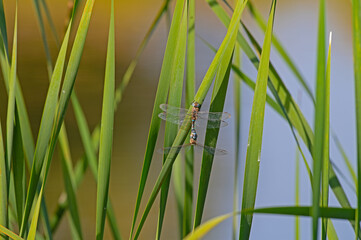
(195, 111)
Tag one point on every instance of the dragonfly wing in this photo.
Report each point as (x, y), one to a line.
(167, 150)
(214, 116)
(171, 110)
(200, 122)
(213, 151)
(171, 118)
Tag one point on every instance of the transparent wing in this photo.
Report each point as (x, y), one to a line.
(199, 123)
(171, 118)
(210, 124)
(178, 115)
(211, 150)
(167, 150)
(174, 119)
(171, 110)
(214, 116)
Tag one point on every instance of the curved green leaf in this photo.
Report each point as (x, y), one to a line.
(217, 104)
(203, 229)
(3, 184)
(106, 131)
(161, 96)
(356, 29)
(320, 115)
(174, 99)
(328, 212)
(7, 232)
(281, 50)
(253, 157)
(189, 94)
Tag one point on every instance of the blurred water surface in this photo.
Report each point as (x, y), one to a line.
(295, 25)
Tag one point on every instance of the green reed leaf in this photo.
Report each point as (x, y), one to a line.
(329, 212)
(320, 118)
(253, 156)
(161, 96)
(281, 50)
(7, 232)
(19, 171)
(106, 131)
(217, 105)
(356, 29)
(326, 144)
(3, 183)
(189, 94)
(174, 99)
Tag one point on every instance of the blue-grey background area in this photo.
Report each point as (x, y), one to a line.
(296, 27)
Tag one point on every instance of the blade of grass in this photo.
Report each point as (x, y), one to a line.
(174, 99)
(189, 94)
(19, 171)
(356, 29)
(326, 144)
(217, 105)
(237, 121)
(320, 119)
(331, 231)
(297, 195)
(178, 183)
(69, 183)
(10, 117)
(281, 50)
(34, 221)
(106, 131)
(253, 156)
(160, 98)
(329, 212)
(203, 229)
(3, 184)
(6, 232)
(226, 47)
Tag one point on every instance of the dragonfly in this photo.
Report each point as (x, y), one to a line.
(178, 115)
(193, 142)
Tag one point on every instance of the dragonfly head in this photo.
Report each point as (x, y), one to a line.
(196, 105)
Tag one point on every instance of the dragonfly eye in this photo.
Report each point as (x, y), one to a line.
(196, 105)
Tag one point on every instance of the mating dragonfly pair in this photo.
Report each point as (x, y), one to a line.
(199, 118)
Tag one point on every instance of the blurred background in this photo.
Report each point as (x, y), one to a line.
(296, 27)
